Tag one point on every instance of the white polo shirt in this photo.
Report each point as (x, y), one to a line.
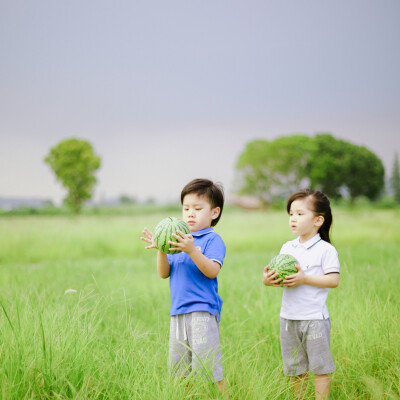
(317, 258)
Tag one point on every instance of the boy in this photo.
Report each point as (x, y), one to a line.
(195, 303)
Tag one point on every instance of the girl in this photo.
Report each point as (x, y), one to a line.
(304, 317)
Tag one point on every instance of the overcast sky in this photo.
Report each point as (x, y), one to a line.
(169, 90)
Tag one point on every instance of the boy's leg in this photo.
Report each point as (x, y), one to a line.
(322, 384)
(300, 386)
(203, 337)
(179, 355)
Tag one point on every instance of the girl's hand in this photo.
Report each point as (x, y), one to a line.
(294, 280)
(185, 242)
(149, 239)
(269, 278)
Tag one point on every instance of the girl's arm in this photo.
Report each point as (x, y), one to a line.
(270, 278)
(330, 280)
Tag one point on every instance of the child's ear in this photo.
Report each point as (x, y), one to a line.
(319, 220)
(215, 212)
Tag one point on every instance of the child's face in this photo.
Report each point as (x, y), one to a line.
(302, 220)
(197, 212)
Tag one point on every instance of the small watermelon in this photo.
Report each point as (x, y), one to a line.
(163, 233)
(284, 265)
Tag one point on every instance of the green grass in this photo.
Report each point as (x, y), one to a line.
(109, 339)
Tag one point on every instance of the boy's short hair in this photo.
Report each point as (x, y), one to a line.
(204, 187)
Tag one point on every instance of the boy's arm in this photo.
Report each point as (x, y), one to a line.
(209, 268)
(163, 266)
(330, 280)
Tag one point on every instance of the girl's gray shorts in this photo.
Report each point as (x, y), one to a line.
(194, 345)
(305, 347)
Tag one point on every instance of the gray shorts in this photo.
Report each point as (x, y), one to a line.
(305, 347)
(194, 345)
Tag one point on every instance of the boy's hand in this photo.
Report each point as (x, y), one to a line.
(149, 239)
(185, 242)
(269, 278)
(294, 280)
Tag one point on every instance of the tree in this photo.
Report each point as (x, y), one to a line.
(127, 200)
(395, 179)
(270, 170)
(337, 166)
(290, 162)
(364, 173)
(326, 165)
(253, 170)
(74, 163)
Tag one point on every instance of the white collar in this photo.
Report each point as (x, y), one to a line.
(310, 242)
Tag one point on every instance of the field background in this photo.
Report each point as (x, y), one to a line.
(109, 339)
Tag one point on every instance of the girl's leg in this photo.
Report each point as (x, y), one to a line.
(300, 386)
(223, 389)
(322, 384)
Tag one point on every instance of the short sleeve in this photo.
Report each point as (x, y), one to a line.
(330, 261)
(284, 248)
(215, 249)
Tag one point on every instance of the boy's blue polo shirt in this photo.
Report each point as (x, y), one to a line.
(191, 290)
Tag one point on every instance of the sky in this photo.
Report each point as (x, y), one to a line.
(168, 91)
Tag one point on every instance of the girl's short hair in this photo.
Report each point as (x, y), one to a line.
(320, 206)
(214, 192)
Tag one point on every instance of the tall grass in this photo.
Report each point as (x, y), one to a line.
(84, 315)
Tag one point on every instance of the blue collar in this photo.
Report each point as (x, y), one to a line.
(202, 232)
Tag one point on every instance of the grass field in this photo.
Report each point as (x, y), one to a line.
(107, 338)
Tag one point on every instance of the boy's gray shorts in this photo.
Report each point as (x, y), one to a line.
(194, 345)
(305, 347)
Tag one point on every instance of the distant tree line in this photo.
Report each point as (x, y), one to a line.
(270, 170)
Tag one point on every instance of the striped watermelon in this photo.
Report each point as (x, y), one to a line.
(284, 265)
(163, 233)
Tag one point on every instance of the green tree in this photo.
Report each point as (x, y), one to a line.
(271, 169)
(337, 166)
(395, 179)
(127, 200)
(364, 173)
(74, 163)
(326, 165)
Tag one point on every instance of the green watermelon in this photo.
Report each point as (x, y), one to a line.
(284, 265)
(163, 233)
